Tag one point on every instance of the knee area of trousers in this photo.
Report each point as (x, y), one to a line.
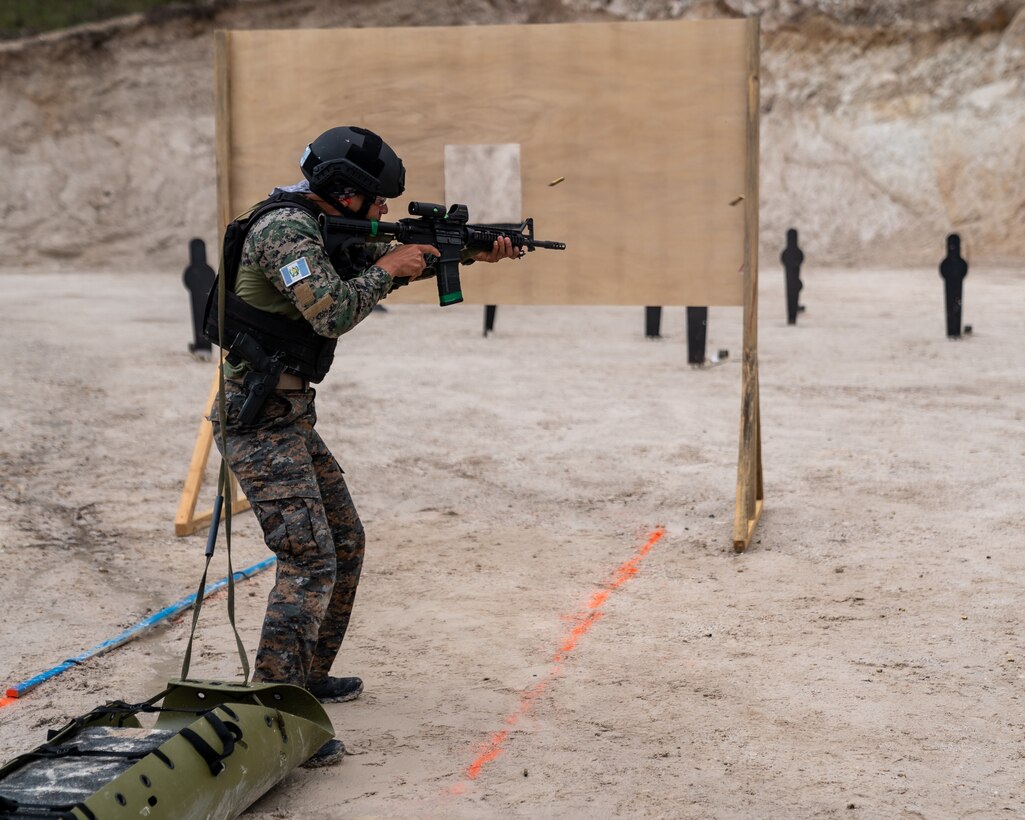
(351, 541)
(295, 530)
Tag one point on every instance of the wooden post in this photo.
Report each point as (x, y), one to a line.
(197, 467)
(186, 521)
(750, 493)
(222, 125)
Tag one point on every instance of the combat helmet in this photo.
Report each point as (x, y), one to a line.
(352, 157)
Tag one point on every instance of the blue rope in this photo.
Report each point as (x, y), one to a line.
(19, 689)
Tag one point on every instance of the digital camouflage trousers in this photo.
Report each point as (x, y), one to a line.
(300, 498)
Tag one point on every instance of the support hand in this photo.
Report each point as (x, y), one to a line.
(501, 249)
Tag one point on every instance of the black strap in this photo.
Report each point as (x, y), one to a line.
(50, 752)
(159, 755)
(224, 490)
(198, 605)
(248, 218)
(63, 811)
(121, 709)
(294, 337)
(228, 733)
(80, 721)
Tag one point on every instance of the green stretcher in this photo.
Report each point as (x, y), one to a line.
(213, 750)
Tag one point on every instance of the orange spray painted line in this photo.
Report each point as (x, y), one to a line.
(494, 749)
(583, 622)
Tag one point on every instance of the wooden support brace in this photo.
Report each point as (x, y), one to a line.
(186, 521)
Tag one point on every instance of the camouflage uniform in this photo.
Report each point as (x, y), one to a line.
(295, 485)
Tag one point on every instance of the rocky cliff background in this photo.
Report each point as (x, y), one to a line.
(885, 125)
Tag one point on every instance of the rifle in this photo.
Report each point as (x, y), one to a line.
(446, 230)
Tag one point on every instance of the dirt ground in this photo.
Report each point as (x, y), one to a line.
(529, 648)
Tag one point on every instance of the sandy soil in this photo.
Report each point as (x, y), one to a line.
(862, 659)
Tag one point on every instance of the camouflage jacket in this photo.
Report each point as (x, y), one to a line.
(285, 270)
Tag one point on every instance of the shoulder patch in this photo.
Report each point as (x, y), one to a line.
(295, 271)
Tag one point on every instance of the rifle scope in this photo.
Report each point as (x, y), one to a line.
(456, 215)
(427, 209)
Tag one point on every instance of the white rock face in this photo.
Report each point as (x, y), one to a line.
(885, 125)
(875, 146)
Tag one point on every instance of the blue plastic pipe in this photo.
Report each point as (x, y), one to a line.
(19, 689)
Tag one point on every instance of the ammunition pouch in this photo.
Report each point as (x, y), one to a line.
(303, 351)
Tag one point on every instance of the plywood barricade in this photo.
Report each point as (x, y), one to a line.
(653, 125)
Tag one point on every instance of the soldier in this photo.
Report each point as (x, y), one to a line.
(294, 301)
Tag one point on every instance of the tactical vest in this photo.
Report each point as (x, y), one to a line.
(304, 351)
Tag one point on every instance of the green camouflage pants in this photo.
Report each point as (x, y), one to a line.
(300, 499)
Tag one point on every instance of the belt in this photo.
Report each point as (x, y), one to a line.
(287, 381)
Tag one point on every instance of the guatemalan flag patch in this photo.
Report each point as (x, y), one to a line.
(295, 271)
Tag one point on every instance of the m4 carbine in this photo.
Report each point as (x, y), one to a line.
(447, 230)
